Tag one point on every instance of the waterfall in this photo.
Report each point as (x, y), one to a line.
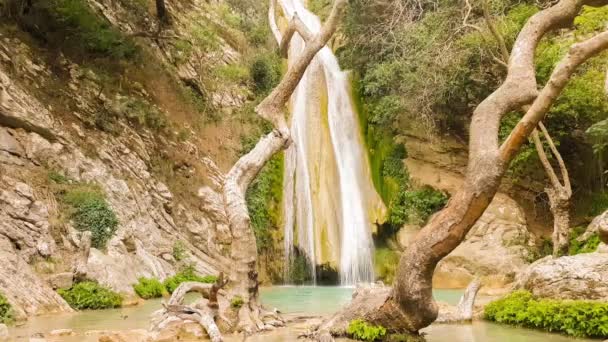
(329, 200)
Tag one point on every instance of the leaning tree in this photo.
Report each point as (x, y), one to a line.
(228, 206)
(409, 305)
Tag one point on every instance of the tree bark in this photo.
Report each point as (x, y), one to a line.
(412, 294)
(234, 184)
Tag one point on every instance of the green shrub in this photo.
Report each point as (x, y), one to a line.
(6, 311)
(179, 251)
(415, 206)
(360, 330)
(385, 264)
(575, 318)
(90, 295)
(148, 288)
(265, 72)
(56, 177)
(237, 302)
(186, 274)
(588, 246)
(89, 211)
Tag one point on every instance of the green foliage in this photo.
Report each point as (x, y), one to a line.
(265, 70)
(90, 295)
(85, 29)
(575, 318)
(599, 203)
(591, 19)
(148, 288)
(385, 264)
(588, 246)
(89, 211)
(234, 73)
(6, 311)
(138, 112)
(179, 251)
(186, 274)
(236, 302)
(360, 330)
(264, 202)
(416, 206)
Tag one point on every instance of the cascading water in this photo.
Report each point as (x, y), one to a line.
(309, 180)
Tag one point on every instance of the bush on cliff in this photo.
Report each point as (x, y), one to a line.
(148, 288)
(90, 295)
(572, 317)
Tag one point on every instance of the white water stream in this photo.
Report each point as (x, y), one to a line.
(354, 193)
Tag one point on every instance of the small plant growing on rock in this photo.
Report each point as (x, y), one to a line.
(186, 274)
(90, 295)
(237, 302)
(362, 331)
(89, 210)
(6, 311)
(148, 288)
(179, 251)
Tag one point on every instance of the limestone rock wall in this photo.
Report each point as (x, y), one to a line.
(39, 133)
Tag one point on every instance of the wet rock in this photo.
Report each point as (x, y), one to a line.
(582, 276)
(62, 332)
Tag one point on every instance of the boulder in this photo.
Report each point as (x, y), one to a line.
(582, 276)
(497, 248)
(61, 280)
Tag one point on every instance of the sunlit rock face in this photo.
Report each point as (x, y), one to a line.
(582, 276)
(330, 202)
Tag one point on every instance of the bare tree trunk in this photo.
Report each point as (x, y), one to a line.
(234, 184)
(560, 208)
(410, 306)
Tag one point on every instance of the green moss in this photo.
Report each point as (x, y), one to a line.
(148, 288)
(385, 264)
(6, 311)
(236, 302)
(299, 269)
(575, 318)
(360, 330)
(86, 206)
(90, 295)
(264, 198)
(186, 274)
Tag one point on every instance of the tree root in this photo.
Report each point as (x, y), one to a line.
(377, 306)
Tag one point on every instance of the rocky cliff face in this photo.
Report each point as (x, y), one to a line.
(47, 102)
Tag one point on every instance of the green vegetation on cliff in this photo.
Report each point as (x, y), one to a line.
(6, 310)
(86, 206)
(422, 71)
(571, 317)
(90, 295)
(148, 288)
